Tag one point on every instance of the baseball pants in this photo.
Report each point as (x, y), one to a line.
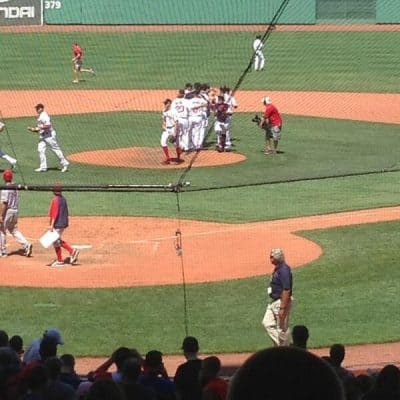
(279, 335)
(10, 225)
(52, 142)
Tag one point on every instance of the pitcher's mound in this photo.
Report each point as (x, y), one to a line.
(150, 157)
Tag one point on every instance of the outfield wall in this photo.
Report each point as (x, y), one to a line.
(177, 12)
(139, 12)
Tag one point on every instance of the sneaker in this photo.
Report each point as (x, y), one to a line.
(64, 168)
(75, 81)
(57, 263)
(166, 162)
(74, 256)
(40, 169)
(13, 166)
(92, 71)
(4, 255)
(28, 250)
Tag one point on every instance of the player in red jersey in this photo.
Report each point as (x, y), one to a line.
(271, 122)
(77, 62)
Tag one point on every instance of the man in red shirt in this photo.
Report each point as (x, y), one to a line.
(214, 387)
(58, 214)
(271, 122)
(77, 62)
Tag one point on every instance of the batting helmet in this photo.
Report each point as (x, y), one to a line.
(7, 175)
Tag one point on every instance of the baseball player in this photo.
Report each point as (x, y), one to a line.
(9, 217)
(180, 109)
(169, 132)
(259, 59)
(58, 214)
(47, 137)
(233, 105)
(11, 160)
(271, 122)
(197, 107)
(221, 125)
(77, 62)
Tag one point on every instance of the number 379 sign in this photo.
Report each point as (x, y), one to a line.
(52, 4)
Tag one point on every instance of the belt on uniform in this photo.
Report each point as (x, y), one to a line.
(273, 300)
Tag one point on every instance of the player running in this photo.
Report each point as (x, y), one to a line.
(77, 62)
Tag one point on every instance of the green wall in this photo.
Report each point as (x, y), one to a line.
(179, 12)
(388, 11)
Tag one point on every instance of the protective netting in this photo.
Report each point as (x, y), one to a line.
(335, 87)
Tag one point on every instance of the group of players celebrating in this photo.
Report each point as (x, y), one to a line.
(185, 120)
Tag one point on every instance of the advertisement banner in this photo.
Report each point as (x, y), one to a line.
(21, 12)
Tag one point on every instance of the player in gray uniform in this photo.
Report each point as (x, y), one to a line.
(9, 217)
(47, 136)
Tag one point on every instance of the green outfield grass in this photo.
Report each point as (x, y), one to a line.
(312, 148)
(327, 61)
(348, 295)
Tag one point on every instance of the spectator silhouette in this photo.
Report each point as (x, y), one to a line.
(365, 383)
(131, 371)
(37, 380)
(118, 358)
(3, 339)
(57, 389)
(17, 344)
(187, 375)
(300, 336)
(67, 372)
(285, 373)
(336, 356)
(154, 376)
(105, 389)
(214, 387)
(32, 352)
(387, 385)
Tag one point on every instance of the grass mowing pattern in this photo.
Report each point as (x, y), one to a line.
(325, 61)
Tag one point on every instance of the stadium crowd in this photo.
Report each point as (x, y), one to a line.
(286, 372)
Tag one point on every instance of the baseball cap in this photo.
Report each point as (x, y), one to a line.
(55, 334)
(277, 254)
(190, 344)
(7, 175)
(266, 100)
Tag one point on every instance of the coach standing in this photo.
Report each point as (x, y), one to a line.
(271, 122)
(276, 318)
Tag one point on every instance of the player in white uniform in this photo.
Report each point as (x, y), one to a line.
(197, 106)
(169, 132)
(9, 217)
(47, 136)
(11, 160)
(232, 103)
(206, 110)
(259, 59)
(180, 109)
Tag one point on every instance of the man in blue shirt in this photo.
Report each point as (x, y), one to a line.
(276, 318)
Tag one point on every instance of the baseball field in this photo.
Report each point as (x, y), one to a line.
(330, 199)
